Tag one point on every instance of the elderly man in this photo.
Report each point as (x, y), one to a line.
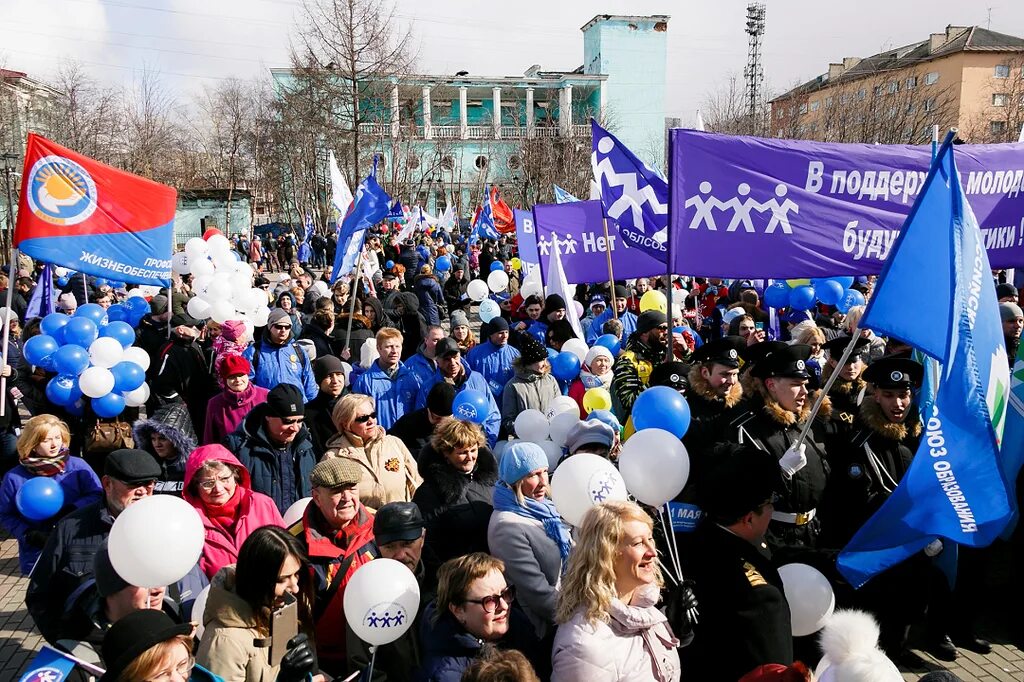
(276, 359)
(493, 358)
(388, 381)
(644, 349)
(337, 533)
(273, 443)
(452, 370)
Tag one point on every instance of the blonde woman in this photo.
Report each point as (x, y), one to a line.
(389, 471)
(609, 628)
(877, 347)
(809, 334)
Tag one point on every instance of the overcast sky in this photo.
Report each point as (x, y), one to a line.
(194, 42)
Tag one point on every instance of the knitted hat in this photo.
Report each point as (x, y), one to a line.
(849, 642)
(1009, 311)
(233, 365)
(497, 324)
(650, 320)
(552, 303)
(277, 315)
(326, 365)
(606, 417)
(285, 400)
(459, 319)
(588, 433)
(1006, 290)
(596, 352)
(440, 399)
(531, 350)
(232, 330)
(520, 460)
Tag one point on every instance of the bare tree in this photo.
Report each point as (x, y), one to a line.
(726, 110)
(1002, 107)
(151, 131)
(227, 128)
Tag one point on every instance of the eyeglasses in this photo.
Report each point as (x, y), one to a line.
(363, 418)
(294, 421)
(137, 484)
(490, 602)
(183, 669)
(663, 327)
(282, 327)
(209, 485)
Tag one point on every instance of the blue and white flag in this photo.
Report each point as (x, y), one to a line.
(1013, 435)
(955, 488)
(484, 225)
(563, 197)
(50, 665)
(371, 206)
(396, 214)
(44, 296)
(634, 195)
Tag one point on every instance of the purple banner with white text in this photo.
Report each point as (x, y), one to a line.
(578, 227)
(758, 208)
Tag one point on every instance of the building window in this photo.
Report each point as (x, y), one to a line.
(877, 90)
(413, 162)
(997, 127)
(929, 104)
(999, 99)
(814, 105)
(803, 108)
(1002, 71)
(894, 87)
(861, 94)
(448, 163)
(912, 82)
(910, 107)
(781, 114)
(480, 162)
(792, 110)
(931, 78)
(514, 162)
(828, 101)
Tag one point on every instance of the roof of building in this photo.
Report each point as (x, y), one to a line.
(633, 18)
(957, 39)
(7, 73)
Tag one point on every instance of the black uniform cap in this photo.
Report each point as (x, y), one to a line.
(790, 362)
(723, 351)
(894, 373)
(740, 479)
(836, 346)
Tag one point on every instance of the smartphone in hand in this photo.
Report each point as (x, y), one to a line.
(284, 624)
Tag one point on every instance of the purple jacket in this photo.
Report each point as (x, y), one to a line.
(226, 410)
(81, 488)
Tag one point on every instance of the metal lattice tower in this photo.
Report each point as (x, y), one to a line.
(754, 73)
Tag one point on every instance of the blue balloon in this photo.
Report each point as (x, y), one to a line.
(830, 292)
(63, 390)
(497, 265)
(845, 282)
(63, 281)
(850, 298)
(609, 341)
(802, 297)
(38, 348)
(117, 285)
(81, 331)
(662, 407)
(565, 366)
(53, 323)
(552, 353)
(776, 295)
(443, 264)
(389, 264)
(128, 376)
(137, 305)
(39, 498)
(71, 359)
(470, 405)
(109, 405)
(122, 331)
(118, 313)
(94, 312)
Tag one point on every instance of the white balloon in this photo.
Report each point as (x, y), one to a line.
(348, 370)
(261, 317)
(655, 466)
(138, 397)
(223, 261)
(156, 541)
(241, 282)
(106, 352)
(322, 287)
(562, 423)
(218, 243)
(810, 597)
(137, 355)
(562, 403)
(179, 263)
(222, 311)
(241, 267)
(198, 609)
(60, 271)
(200, 285)
(531, 288)
(488, 310)
(198, 308)
(96, 382)
(294, 513)
(196, 248)
(553, 451)
(381, 600)
(202, 267)
(220, 285)
(532, 425)
(477, 290)
(5, 315)
(582, 481)
(137, 291)
(577, 347)
(497, 281)
(256, 298)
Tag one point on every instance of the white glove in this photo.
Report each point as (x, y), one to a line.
(794, 460)
(933, 548)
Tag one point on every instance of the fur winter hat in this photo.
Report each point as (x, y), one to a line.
(849, 642)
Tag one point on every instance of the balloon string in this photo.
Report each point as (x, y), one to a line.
(672, 538)
(668, 543)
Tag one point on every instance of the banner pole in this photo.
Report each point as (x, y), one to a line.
(669, 351)
(7, 328)
(611, 274)
(352, 299)
(854, 336)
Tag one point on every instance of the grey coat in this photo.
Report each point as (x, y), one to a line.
(532, 564)
(528, 390)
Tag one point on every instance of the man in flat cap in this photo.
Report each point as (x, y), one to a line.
(847, 391)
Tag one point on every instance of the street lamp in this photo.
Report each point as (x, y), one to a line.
(9, 159)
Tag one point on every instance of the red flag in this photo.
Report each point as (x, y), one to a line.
(504, 221)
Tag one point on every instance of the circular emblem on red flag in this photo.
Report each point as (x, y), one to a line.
(60, 191)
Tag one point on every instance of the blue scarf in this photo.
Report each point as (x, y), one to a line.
(505, 500)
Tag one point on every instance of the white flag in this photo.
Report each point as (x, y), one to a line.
(557, 284)
(699, 125)
(1021, 137)
(341, 195)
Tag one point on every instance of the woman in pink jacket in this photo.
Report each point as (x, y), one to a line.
(218, 486)
(227, 409)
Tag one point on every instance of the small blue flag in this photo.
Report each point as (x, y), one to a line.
(49, 665)
(563, 197)
(44, 296)
(396, 214)
(369, 208)
(484, 225)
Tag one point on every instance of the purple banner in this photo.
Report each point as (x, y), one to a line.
(752, 207)
(579, 229)
(526, 239)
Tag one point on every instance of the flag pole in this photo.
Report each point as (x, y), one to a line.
(854, 337)
(352, 299)
(611, 274)
(669, 351)
(7, 327)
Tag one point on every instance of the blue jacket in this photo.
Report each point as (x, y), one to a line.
(476, 381)
(424, 370)
(539, 331)
(431, 298)
(494, 363)
(627, 319)
(273, 365)
(394, 397)
(283, 481)
(81, 488)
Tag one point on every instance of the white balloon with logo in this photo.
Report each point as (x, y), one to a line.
(582, 481)
(381, 600)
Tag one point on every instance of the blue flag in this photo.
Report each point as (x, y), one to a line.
(563, 197)
(44, 296)
(396, 214)
(955, 488)
(369, 208)
(1013, 436)
(484, 225)
(50, 665)
(633, 194)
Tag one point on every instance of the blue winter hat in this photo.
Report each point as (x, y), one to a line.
(519, 460)
(607, 417)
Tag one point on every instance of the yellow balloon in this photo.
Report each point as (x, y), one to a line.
(597, 398)
(654, 300)
(516, 264)
(794, 283)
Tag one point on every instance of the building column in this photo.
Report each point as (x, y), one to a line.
(395, 124)
(463, 116)
(496, 98)
(565, 111)
(529, 112)
(603, 97)
(428, 129)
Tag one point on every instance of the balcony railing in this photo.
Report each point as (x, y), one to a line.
(474, 132)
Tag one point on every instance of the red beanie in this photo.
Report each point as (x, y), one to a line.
(232, 365)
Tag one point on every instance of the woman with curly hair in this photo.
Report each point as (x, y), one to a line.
(609, 628)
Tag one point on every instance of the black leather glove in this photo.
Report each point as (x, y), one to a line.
(299, 661)
(36, 538)
(681, 610)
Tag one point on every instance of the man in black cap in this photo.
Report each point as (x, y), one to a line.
(629, 320)
(1006, 293)
(744, 617)
(273, 443)
(714, 378)
(453, 370)
(455, 286)
(644, 349)
(847, 392)
(494, 357)
(416, 428)
(329, 373)
(771, 419)
(67, 559)
(276, 359)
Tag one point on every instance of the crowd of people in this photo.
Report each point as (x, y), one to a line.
(340, 411)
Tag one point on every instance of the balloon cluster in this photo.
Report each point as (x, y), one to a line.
(549, 429)
(801, 294)
(93, 357)
(654, 462)
(478, 289)
(221, 282)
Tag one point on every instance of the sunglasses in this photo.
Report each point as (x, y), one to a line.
(294, 421)
(282, 327)
(490, 602)
(363, 418)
